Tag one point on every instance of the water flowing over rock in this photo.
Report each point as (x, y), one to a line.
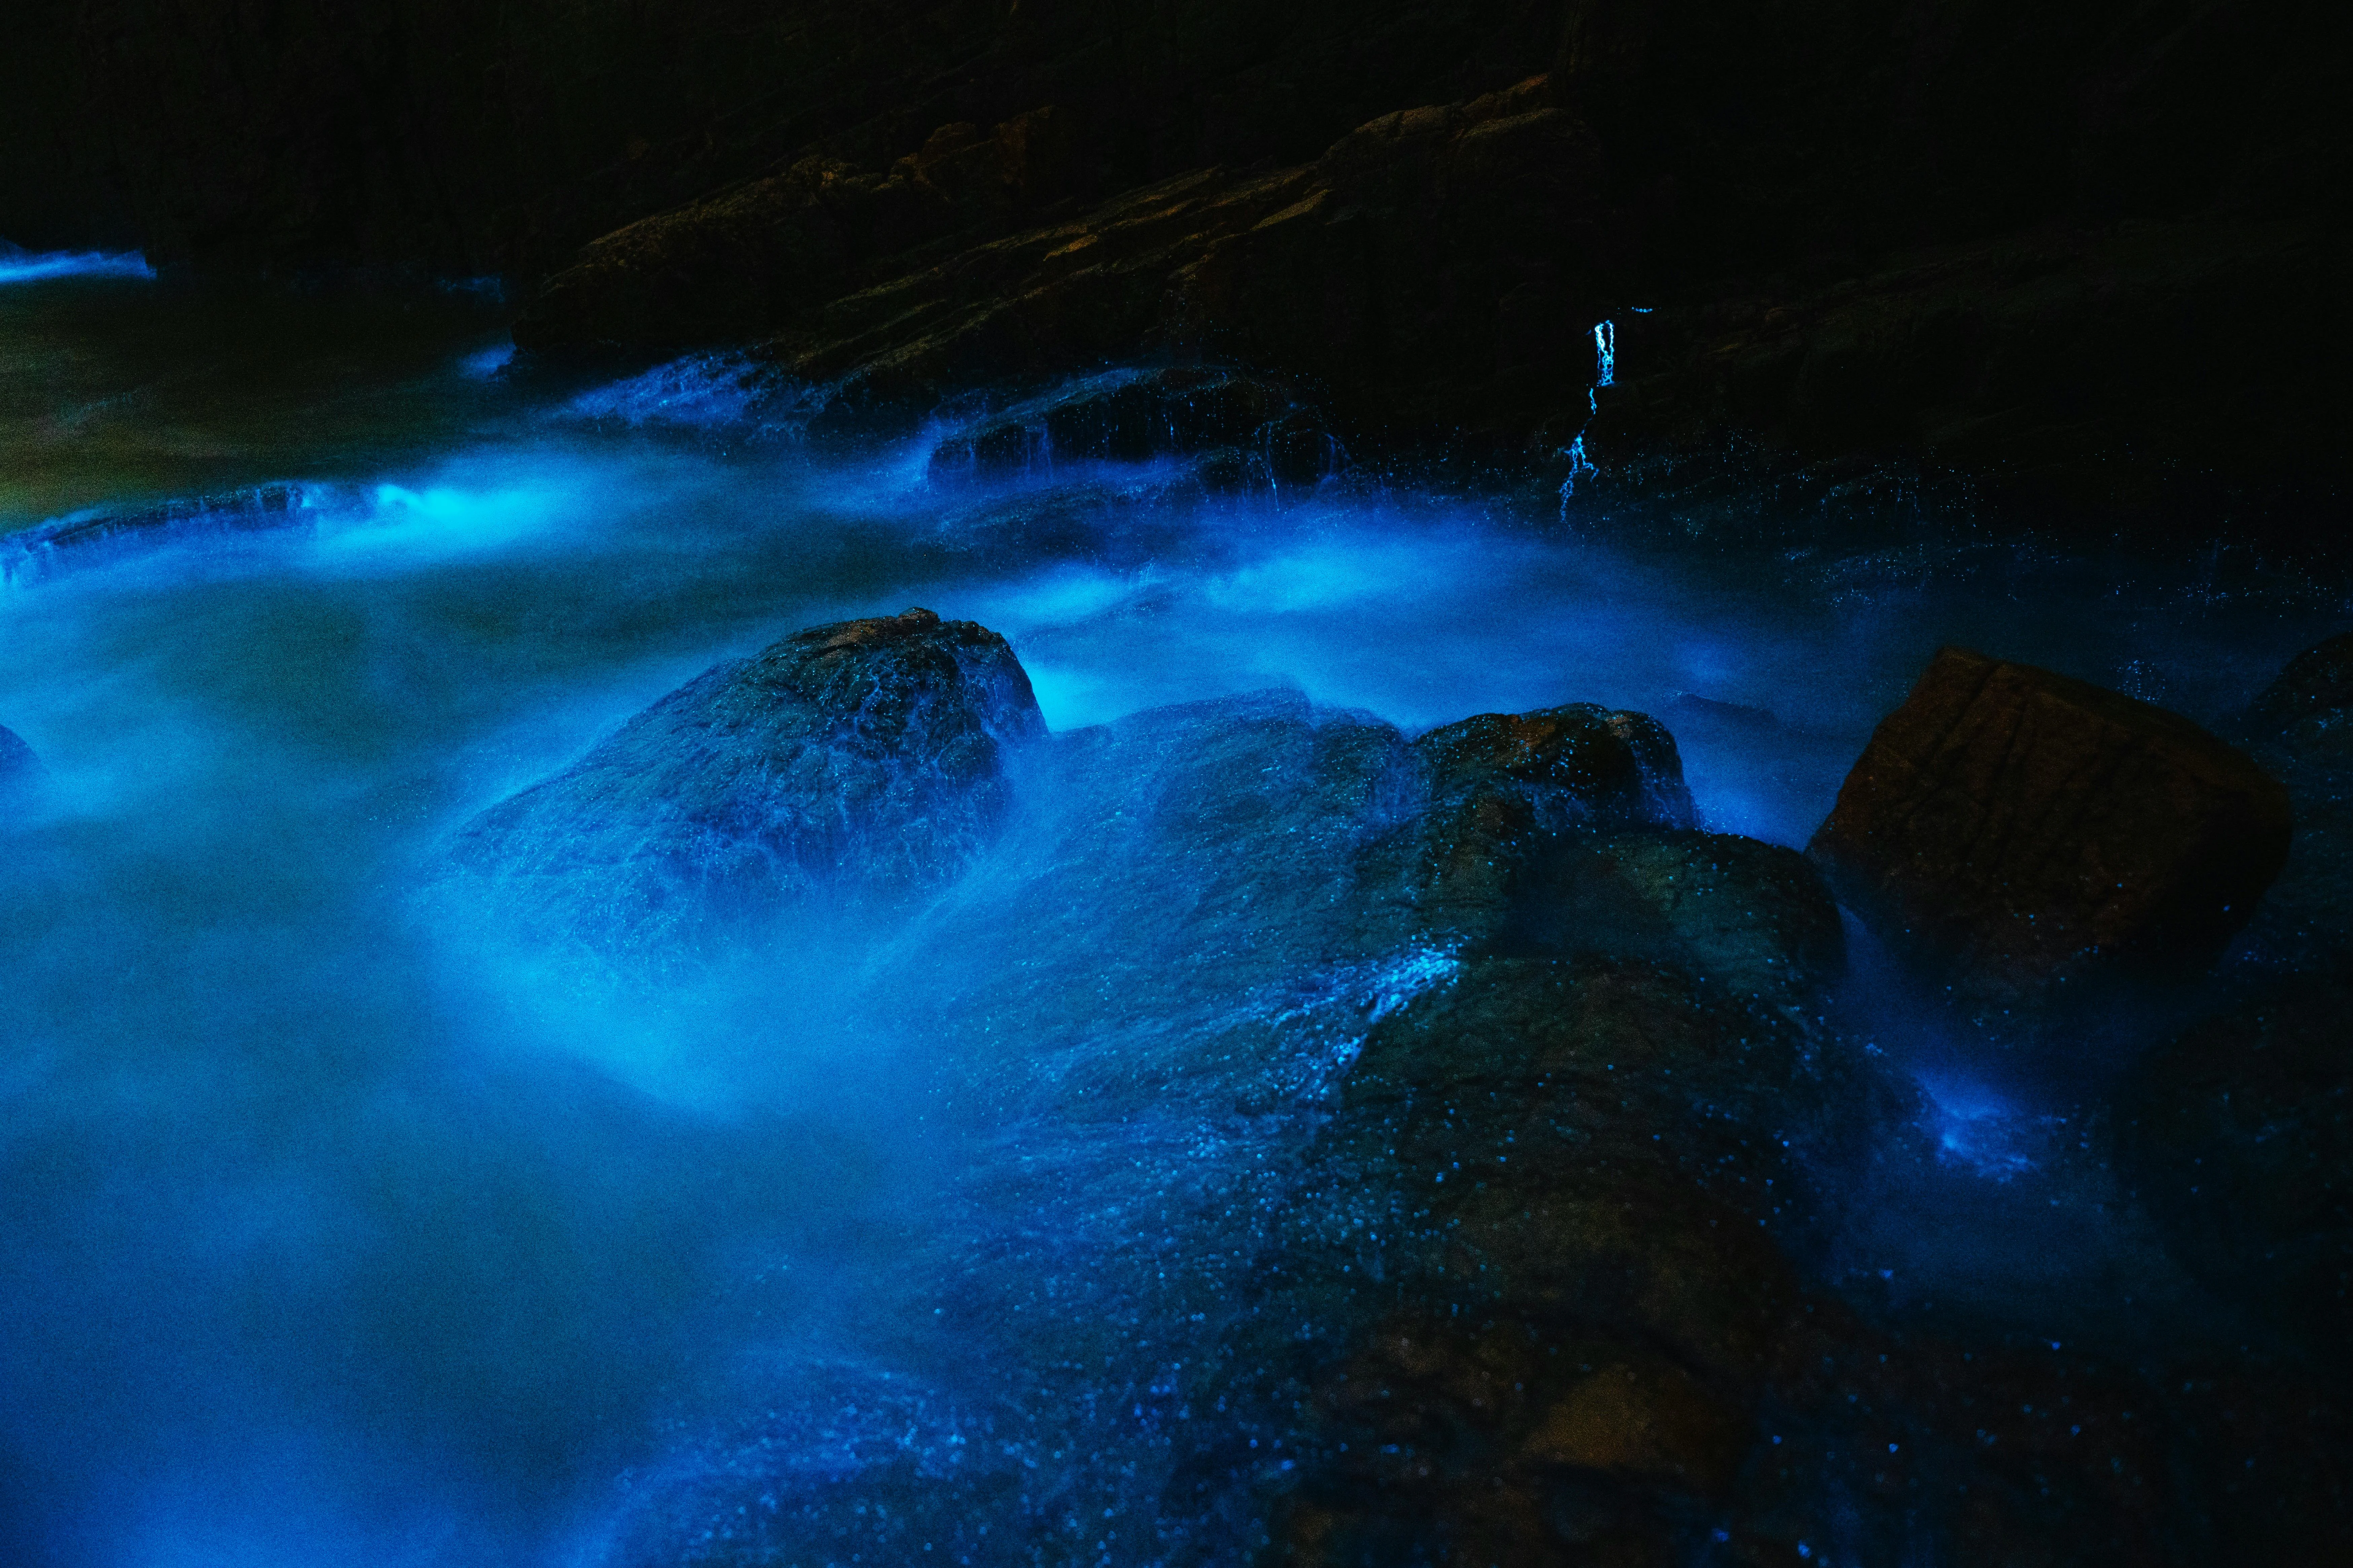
(2308, 710)
(866, 758)
(1503, 1112)
(2020, 836)
(107, 532)
(1240, 422)
(2239, 1133)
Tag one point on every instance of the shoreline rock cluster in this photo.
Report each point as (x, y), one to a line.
(1532, 1112)
(2085, 258)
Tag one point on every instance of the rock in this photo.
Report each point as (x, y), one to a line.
(2300, 729)
(1122, 415)
(30, 553)
(2019, 837)
(867, 758)
(724, 267)
(20, 771)
(2044, 362)
(1558, 768)
(1378, 270)
(2240, 1136)
(2239, 1133)
(1425, 1142)
(2308, 710)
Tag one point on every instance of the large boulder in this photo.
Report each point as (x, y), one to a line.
(867, 758)
(2239, 1133)
(1371, 1151)
(2019, 836)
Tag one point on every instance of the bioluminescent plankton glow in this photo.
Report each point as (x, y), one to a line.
(1417, 784)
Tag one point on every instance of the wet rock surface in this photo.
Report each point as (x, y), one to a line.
(1422, 1151)
(867, 759)
(30, 553)
(1245, 428)
(1402, 263)
(2024, 839)
(2241, 1131)
(2061, 251)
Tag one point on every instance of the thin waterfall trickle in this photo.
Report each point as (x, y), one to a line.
(1605, 354)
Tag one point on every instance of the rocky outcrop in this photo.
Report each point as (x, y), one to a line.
(1423, 256)
(2301, 729)
(466, 141)
(29, 554)
(1237, 423)
(765, 250)
(2307, 713)
(2239, 1133)
(867, 759)
(2021, 837)
(1385, 1150)
(2086, 256)
(2103, 370)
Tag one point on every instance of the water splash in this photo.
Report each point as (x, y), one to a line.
(1605, 354)
(18, 265)
(1976, 1127)
(97, 534)
(487, 363)
(709, 392)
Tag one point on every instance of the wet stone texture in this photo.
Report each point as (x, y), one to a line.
(1236, 427)
(2239, 1133)
(867, 758)
(2024, 838)
(1375, 1153)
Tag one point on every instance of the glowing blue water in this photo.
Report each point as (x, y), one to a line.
(343, 1232)
(18, 266)
(1604, 359)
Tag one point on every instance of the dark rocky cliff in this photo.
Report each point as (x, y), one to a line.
(2087, 252)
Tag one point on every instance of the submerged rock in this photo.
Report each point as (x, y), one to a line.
(20, 770)
(1431, 258)
(28, 554)
(1371, 1151)
(2014, 833)
(867, 758)
(2308, 710)
(2239, 1133)
(2301, 729)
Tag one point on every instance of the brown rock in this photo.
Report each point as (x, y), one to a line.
(865, 759)
(2011, 831)
(1425, 256)
(2310, 708)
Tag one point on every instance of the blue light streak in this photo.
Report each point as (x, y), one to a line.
(20, 266)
